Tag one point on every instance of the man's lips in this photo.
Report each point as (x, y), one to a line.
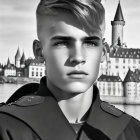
(75, 72)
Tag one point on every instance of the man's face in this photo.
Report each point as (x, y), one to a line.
(72, 55)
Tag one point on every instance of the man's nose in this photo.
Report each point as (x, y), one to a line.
(77, 55)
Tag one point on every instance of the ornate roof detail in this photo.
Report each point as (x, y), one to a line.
(119, 14)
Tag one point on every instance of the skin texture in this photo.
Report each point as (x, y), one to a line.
(67, 47)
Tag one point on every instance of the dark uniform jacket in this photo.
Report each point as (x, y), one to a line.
(37, 116)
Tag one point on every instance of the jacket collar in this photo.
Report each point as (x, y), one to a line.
(43, 90)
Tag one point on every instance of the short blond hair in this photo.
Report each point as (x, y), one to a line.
(88, 12)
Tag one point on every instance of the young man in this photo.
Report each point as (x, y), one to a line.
(66, 105)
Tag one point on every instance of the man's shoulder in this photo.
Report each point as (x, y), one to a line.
(27, 89)
(12, 127)
(116, 123)
(131, 131)
(17, 114)
(116, 112)
(23, 97)
(111, 109)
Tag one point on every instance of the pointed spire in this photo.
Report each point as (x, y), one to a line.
(119, 14)
(22, 60)
(130, 76)
(17, 56)
(8, 62)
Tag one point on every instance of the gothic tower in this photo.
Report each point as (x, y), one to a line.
(22, 61)
(17, 59)
(8, 62)
(117, 27)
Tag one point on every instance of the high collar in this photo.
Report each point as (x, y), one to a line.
(43, 90)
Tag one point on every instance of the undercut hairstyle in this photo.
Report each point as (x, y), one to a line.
(89, 12)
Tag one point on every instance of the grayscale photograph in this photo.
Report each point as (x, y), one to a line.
(69, 70)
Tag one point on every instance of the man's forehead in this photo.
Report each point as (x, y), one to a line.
(51, 23)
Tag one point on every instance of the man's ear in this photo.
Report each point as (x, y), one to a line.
(37, 49)
(104, 53)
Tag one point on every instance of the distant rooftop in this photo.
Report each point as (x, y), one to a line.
(126, 53)
(33, 62)
(11, 66)
(132, 76)
(108, 78)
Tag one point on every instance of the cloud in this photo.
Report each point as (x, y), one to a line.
(17, 26)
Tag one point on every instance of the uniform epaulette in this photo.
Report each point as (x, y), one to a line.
(111, 109)
(29, 100)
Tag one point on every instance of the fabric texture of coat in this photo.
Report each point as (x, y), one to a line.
(37, 116)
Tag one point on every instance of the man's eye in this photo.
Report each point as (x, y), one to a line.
(61, 44)
(91, 44)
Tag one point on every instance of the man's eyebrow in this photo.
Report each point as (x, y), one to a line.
(68, 38)
(92, 38)
(62, 38)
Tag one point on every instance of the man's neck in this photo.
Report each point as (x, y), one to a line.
(75, 107)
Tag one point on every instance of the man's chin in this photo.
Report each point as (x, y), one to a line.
(77, 88)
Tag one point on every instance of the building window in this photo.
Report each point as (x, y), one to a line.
(124, 67)
(32, 73)
(109, 84)
(32, 68)
(123, 60)
(103, 90)
(134, 61)
(109, 91)
(36, 73)
(114, 91)
(36, 68)
(117, 67)
(40, 74)
(114, 84)
(117, 60)
(129, 61)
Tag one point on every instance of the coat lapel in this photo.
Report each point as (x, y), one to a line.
(46, 119)
(101, 125)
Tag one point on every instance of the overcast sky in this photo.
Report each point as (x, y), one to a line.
(18, 25)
